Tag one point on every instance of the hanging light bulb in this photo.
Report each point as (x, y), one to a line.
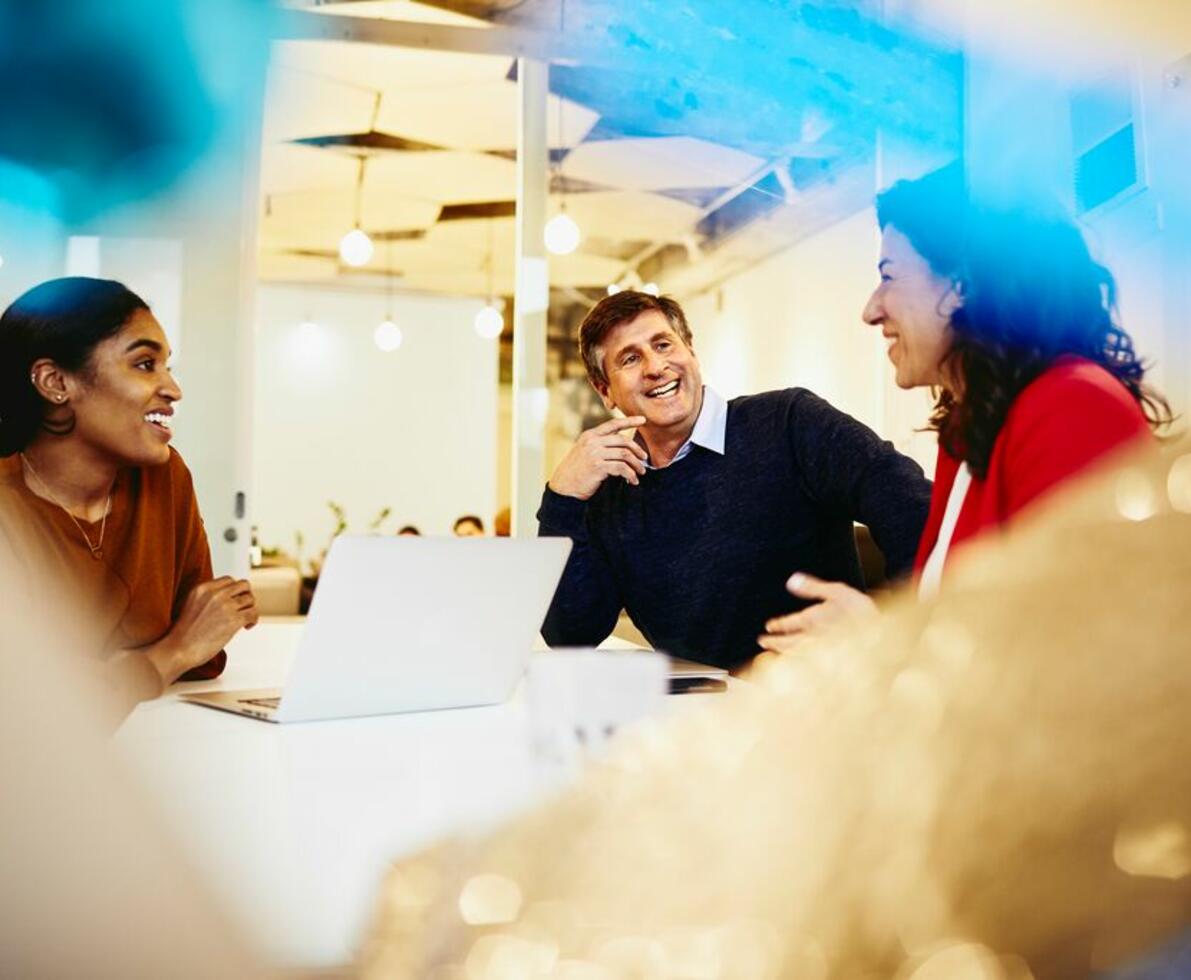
(651, 288)
(489, 322)
(388, 335)
(562, 234)
(355, 248)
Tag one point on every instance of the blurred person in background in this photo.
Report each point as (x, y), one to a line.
(468, 526)
(999, 308)
(502, 523)
(92, 495)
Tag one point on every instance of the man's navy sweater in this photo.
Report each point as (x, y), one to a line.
(699, 552)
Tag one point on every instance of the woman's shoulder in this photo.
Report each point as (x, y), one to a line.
(1077, 388)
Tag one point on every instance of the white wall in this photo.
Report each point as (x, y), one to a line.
(794, 320)
(337, 419)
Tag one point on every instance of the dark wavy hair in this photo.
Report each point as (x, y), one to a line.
(63, 320)
(1030, 293)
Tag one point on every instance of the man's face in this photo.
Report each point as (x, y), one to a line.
(651, 372)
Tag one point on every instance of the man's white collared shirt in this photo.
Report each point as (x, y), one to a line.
(710, 429)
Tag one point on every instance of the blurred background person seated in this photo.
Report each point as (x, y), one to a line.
(502, 523)
(468, 526)
(91, 493)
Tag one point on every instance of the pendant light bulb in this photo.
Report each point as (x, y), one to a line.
(489, 323)
(355, 248)
(387, 336)
(561, 234)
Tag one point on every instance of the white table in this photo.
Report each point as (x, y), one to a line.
(294, 826)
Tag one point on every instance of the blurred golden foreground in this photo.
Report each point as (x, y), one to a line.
(995, 784)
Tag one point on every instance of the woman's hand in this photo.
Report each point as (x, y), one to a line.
(837, 603)
(211, 615)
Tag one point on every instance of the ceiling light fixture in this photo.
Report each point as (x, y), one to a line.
(490, 322)
(356, 248)
(613, 288)
(651, 288)
(388, 336)
(561, 234)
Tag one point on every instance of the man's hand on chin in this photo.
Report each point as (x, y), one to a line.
(599, 453)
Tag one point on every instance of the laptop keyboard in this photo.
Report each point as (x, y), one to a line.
(262, 702)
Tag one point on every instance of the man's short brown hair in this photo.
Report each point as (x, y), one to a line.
(611, 312)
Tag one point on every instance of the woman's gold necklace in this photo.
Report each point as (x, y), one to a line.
(95, 549)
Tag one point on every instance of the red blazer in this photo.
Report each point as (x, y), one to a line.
(1063, 421)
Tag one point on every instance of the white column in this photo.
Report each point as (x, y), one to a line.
(532, 299)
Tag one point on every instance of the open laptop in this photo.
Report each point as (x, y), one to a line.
(411, 624)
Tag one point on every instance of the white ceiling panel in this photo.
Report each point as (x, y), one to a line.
(457, 283)
(476, 236)
(402, 10)
(391, 70)
(480, 116)
(579, 269)
(318, 219)
(422, 256)
(449, 177)
(287, 167)
(664, 163)
(630, 215)
(300, 104)
(274, 265)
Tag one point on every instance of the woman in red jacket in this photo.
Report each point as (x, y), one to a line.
(1003, 312)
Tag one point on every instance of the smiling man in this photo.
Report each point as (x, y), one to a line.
(694, 523)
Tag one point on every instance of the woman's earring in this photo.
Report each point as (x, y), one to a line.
(61, 398)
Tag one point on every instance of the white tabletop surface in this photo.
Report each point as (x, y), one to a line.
(294, 826)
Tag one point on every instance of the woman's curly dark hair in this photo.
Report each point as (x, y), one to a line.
(1030, 293)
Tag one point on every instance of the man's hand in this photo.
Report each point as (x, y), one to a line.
(837, 602)
(598, 454)
(211, 615)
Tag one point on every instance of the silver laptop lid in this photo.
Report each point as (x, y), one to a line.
(408, 624)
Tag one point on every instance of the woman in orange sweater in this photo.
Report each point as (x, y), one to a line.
(1002, 311)
(92, 497)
